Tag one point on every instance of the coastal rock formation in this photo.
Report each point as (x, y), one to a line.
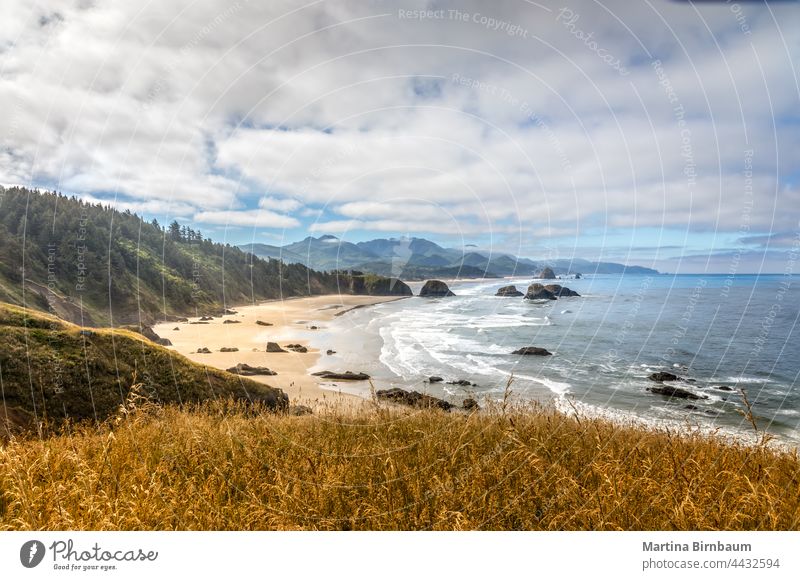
(675, 393)
(435, 289)
(413, 399)
(373, 285)
(724, 388)
(662, 376)
(345, 376)
(462, 383)
(559, 290)
(578, 275)
(229, 349)
(296, 348)
(274, 399)
(274, 347)
(547, 274)
(391, 287)
(203, 350)
(509, 291)
(262, 323)
(246, 370)
(206, 318)
(435, 379)
(533, 350)
(149, 334)
(330, 352)
(470, 405)
(232, 321)
(537, 291)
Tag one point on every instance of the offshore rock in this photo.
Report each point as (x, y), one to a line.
(435, 289)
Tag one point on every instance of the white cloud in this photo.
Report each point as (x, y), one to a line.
(279, 204)
(388, 123)
(449, 228)
(311, 212)
(256, 218)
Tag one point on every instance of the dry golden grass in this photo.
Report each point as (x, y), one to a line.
(222, 466)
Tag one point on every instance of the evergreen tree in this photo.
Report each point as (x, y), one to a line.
(175, 231)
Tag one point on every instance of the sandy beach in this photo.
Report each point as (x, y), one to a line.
(290, 322)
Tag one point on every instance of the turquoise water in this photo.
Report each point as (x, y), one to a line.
(738, 332)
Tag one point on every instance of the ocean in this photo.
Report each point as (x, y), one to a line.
(722, 332)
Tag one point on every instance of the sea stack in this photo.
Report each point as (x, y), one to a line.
(378, 286)
(559, 290)
(509, 291)
(547, 274)
(533, 350)
(435, 289)
(537, 291)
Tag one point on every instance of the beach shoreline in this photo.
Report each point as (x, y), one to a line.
(362, 344)
(290, 321)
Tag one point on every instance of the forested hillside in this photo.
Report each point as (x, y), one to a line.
(94, 265)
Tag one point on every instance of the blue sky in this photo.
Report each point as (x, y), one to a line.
(659, 133)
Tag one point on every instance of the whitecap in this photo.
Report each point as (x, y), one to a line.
(755, 380)
(555, 387)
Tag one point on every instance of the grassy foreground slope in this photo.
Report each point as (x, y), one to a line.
(51, 370)
(215, 467)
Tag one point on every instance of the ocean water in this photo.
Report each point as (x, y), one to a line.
(738, 332)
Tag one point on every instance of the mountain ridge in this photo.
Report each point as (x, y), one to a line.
(418, 258)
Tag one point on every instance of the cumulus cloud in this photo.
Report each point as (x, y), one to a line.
(255, 218)
(279, 204)
(506, 118)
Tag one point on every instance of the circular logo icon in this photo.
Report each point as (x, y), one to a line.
(31, 553)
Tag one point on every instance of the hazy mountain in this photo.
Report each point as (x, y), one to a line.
(329, 253)
(475, 260)
(405, 246)
(418, 258)
(415, 272)
(512, 265)
(587, 267)
(268, 251)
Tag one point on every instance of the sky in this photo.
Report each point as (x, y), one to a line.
(657, 133)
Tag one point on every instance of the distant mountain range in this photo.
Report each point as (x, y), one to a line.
(418, 258)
